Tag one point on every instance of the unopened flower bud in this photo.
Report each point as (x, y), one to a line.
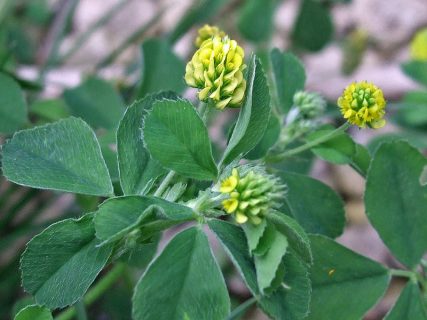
(310, 104)
(252, 194)
(207, 32)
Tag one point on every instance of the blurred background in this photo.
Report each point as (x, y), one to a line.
(70, 56)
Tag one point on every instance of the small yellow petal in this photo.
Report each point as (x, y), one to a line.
(241, 218)
(230, 205)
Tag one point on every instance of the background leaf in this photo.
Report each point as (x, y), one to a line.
(289, 77)
(138, 171)
(64, 156)
(195, 286)
(409, 305)
(270, 137)
(396, 202)
(175, 136)
(313, 28)
(343, 281)
(60, 264)
(34, 312)
(256, 19)
(161, 68)
(97, 102)
(416, 70)
(13, 108)
(316, 207)
(253, 116)
(200, 11)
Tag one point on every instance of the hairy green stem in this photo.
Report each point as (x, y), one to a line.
(166, 181)
(403, 273)
(98, 290)
(241, 309)
(286, 154)
(80, 310)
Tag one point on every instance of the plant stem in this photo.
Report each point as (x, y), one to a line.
(80, 310)
(166, 181)
(241, 309)
(403, 273)
(286, 154)
(93, 28)
(93, 294)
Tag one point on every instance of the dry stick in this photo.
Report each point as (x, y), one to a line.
(134, 37)
(80, 41)
(49, 50)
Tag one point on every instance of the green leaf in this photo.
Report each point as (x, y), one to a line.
(298, 240)
(175, 136)
(60, 264)
(316, 207)
(254, 234)
(234, 242)
(411, 112)
(271, 135)
(13, 108)
(289, 77)
(313, 28)
(138, 171)
(64, 156)
(361, 159)
(97, 102)
(254, 114)
(34, 312)
(184, 282)
(50, 110)
(267, 265)
(409, 305)
(141, 254)
(416, 70)
(343, 281)
(291, 301)
(117, 217)
(161, 68)
(339, 150)
(416, 139)
(256, 19)
(107, 142)
(200, 11)
(396, 202)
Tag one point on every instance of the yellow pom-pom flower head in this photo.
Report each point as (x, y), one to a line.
(363, 104)
(207, 32)
(252, 193)
(216, 68)
(419, 45)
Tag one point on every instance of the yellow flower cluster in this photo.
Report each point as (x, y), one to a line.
(251, 196)
(419, 45)
(363, 104)
(216, 68)
(206, 32)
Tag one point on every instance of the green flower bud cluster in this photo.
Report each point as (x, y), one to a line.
(309, 104)
(303, 117)
(216, 68)
(207, 32)
(251, 194)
